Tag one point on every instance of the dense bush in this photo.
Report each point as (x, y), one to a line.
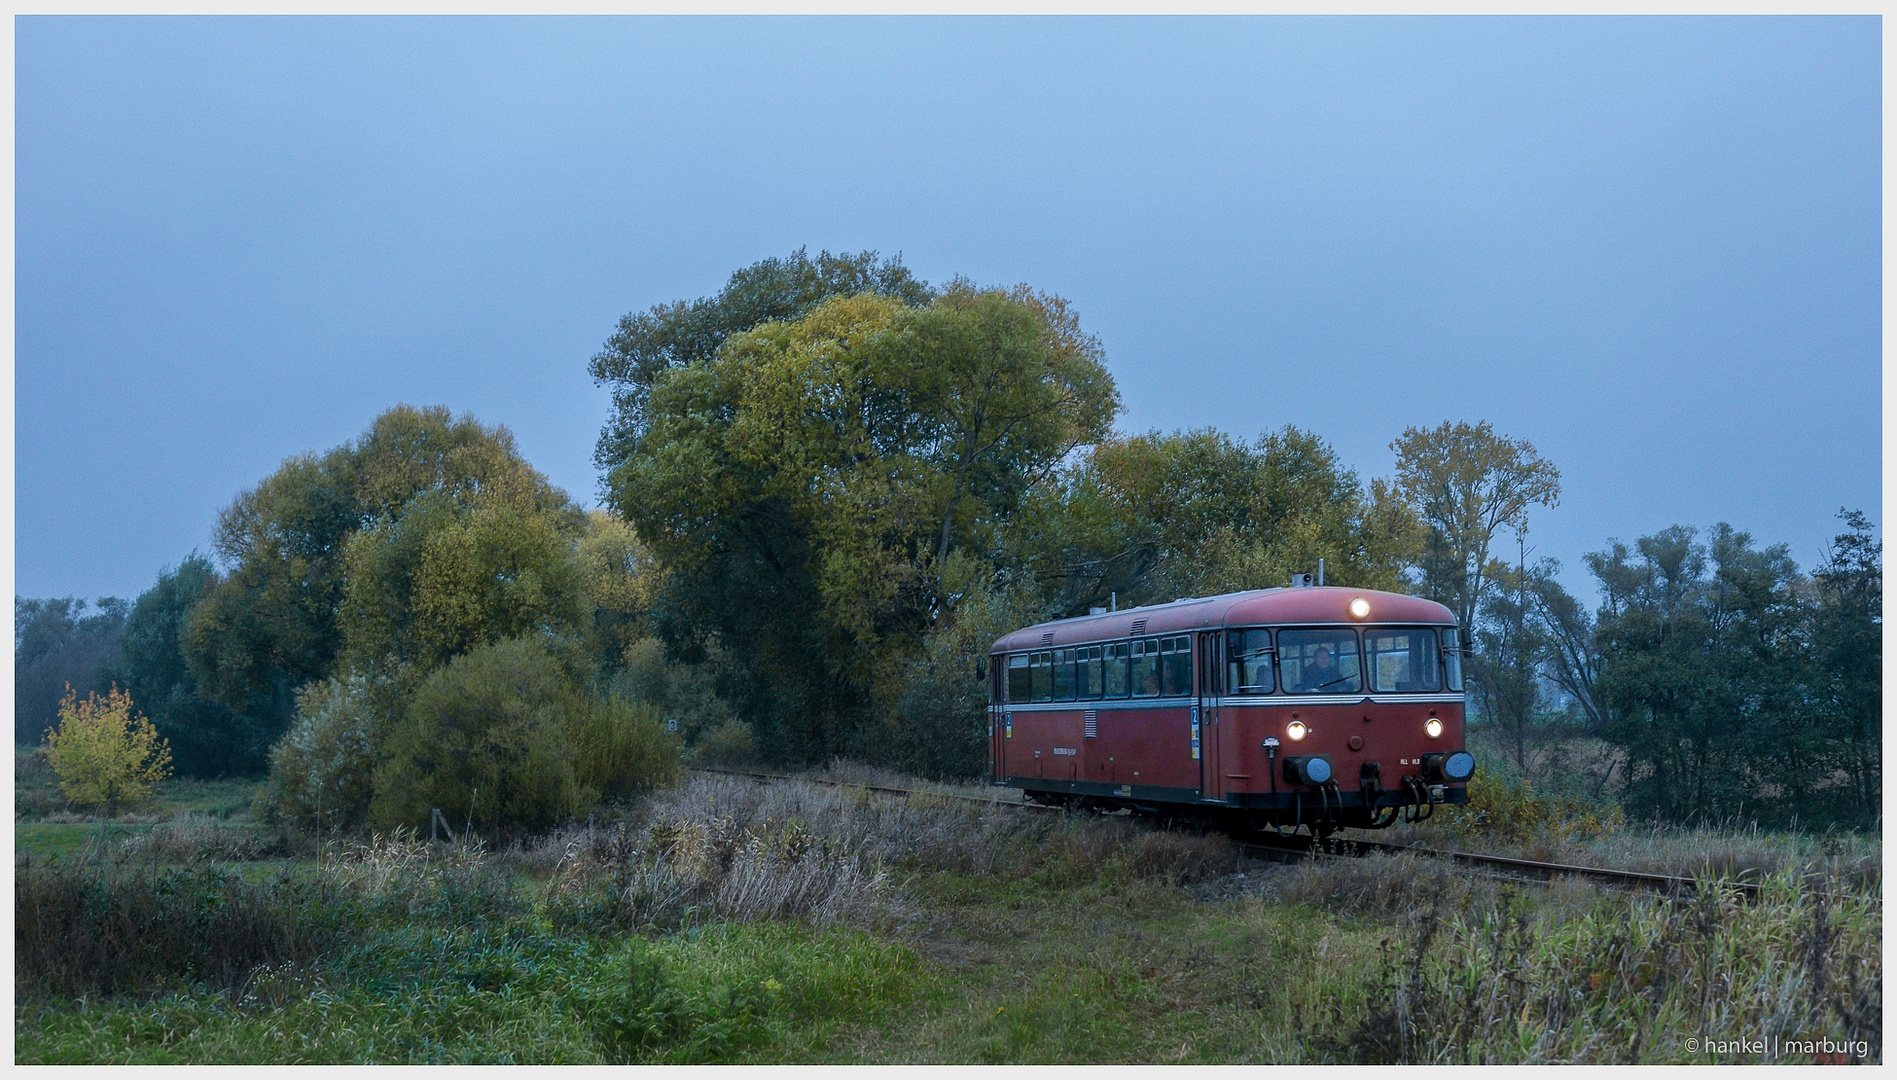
(684, 693)
(1506, 807)
(623, 747)
(324, 767)
(504, 736)
(487, 738)
(727, 746)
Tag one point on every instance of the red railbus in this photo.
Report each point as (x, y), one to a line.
(1306, 706)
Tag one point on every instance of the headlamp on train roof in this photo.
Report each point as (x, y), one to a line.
(1433, 728)
(1297, 731)
(1359, 607)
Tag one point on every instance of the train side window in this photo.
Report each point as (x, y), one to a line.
(1249, 667)
(1089, 674)
(1043, 670)
(1113, 670)
(1063, 674)
(1320, 661)
(1146, 668)
(1175, 663)
(1452, 659)
(1020, 689)
(1403, 661)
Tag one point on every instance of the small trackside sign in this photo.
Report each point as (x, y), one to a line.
(1065, 751)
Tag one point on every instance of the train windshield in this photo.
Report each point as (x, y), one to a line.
(1403, 661)
(1319, 661)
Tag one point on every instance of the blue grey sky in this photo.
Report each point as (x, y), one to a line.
(1650, 246)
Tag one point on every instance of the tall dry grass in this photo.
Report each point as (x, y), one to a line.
(1483, 971)
(732, 848)
(199, 838)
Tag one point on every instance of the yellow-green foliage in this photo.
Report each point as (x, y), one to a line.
(1506, 808)
(619, 580)
(1220, 516)
(494, 571)
(445, 575)
(105, 753)
(623, 747)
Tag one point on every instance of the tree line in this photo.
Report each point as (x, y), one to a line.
(826, 489)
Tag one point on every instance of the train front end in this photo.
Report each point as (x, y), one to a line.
(1341, 707)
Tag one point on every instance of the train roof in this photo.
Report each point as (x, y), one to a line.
(1259, 607)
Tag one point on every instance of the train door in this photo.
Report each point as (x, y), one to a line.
(1206, 716)
(997, 700)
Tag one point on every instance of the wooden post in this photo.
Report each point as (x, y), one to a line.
(438, 824)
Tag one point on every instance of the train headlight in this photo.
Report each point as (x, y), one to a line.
(1359, 607)
(1313, 769)
(1433, 727)
(1297, 731)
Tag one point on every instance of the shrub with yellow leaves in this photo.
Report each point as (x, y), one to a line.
(104, 752)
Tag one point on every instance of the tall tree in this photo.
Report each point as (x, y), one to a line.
(1847, 663)
(57, 645)
(808, 487)
(1571, 656)
(1467, 483)
(270, 625)
(206, 738)
(1700, 672)
(1509, 652)
(648, 344)
(1154, 517)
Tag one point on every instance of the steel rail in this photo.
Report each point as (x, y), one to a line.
(1335, 846)
(1545, 871)
(1014, 803)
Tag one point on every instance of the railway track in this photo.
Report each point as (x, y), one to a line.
(1335, 846)
(1305, 846)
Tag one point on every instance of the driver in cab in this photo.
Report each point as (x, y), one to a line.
(1321, 673)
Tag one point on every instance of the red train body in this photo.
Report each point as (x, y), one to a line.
(1320, 707)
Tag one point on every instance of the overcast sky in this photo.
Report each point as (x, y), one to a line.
(1649, 246)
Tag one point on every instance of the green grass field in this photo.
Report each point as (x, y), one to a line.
(726, 922)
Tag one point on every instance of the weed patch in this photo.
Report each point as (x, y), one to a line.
(82, 930)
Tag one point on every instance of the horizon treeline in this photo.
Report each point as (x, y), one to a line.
(826, 490)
